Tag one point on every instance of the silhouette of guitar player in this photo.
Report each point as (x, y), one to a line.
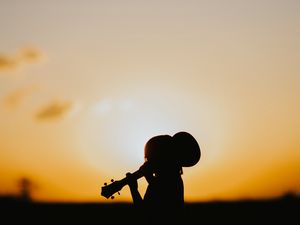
(165, 156)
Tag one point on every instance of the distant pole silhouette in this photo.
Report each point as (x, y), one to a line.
(25, 186)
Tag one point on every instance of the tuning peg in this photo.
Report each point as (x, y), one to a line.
(112, 180)
(112, 197)
(105, 184)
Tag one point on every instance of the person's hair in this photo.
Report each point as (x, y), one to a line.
(160, 151)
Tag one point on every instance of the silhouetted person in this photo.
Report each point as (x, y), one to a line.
(164, 158)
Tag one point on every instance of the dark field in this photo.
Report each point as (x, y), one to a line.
(285, 210)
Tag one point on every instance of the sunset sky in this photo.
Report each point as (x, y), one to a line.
(84, 85)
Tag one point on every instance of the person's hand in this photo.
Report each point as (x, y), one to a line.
(132, 182)
(147, 170)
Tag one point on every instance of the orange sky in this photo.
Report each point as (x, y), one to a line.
(84, 85)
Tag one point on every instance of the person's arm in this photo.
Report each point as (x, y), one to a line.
(133, 185)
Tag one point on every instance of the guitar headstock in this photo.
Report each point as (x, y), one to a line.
(109, 189)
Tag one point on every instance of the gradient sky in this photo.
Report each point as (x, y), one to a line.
(84, 85)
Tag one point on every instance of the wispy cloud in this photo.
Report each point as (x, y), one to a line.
(30, 55)
(102, 107)
(7, 62)
(106, 106)
(54, 110)
(24, 56)
(17, 97)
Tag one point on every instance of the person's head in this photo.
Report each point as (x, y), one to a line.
(159, 152)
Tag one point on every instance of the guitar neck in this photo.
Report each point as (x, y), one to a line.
(136, 175)
(109, 190)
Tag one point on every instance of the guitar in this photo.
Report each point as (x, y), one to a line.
(109, 190)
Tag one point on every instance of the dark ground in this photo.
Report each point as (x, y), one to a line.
(285, 210)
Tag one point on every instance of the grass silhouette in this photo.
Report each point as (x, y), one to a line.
(283, 210)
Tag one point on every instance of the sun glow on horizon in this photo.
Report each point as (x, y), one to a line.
(128, 125)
